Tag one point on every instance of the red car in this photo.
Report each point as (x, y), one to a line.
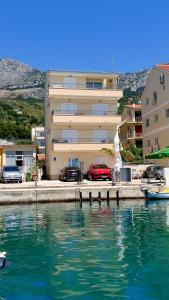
(99, 171)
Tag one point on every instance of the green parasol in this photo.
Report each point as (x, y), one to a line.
(163, 153)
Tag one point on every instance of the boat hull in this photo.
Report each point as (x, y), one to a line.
(157, 196)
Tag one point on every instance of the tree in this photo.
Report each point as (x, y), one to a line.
(127, 155)
(109, 152)
(132, 153)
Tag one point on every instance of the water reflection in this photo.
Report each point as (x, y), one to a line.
(63, 252)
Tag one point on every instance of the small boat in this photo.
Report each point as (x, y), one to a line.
(157, 195)
(2, 259)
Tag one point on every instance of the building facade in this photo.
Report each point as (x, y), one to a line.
(80, 118)
(22, 156)
(130, 129)
(38, 138)
(155, 111)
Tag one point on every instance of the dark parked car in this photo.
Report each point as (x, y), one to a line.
(156, 172)
(10, 174)
(99, 171)
(70, 173)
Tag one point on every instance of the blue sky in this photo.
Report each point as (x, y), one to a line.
(98, 35)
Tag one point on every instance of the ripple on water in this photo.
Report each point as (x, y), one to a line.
(63, 252)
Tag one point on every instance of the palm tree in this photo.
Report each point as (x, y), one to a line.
(109, 152)
(126, 154)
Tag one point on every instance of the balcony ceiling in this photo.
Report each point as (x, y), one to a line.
(86, 120)
(87, 147)
(54, 93)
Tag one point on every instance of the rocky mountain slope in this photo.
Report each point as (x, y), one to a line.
(18, 80)
(133, 81)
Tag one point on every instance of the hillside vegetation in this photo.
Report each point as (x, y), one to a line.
(129, 97)
(18, 116)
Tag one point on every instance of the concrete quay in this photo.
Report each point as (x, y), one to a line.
(56, 191)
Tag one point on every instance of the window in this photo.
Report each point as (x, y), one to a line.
(148, 143)
(98, 85)
(10, 153)
(156, 118)
(68, 108)
(154, 98)
(19, 157)
(89, 85)
(147, 123)
(40, 134)
(70, 82)
(167, 113)
(19, 152)
(69, 136)
(99, 109)
(156, 140)
(42, 143)
(147, 101)
(162, 78)
(93, 84)
(74, 162)
(100, 136)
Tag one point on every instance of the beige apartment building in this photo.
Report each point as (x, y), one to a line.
(130, 129)
(38, 138)
(80, 118)
(155, 111)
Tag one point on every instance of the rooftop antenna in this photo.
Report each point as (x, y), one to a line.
(113, 64)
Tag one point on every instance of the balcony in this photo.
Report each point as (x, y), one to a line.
(134, 135)
(134, 120)
(81, 91)
(86, 117)
(81, 145)
(138, 119)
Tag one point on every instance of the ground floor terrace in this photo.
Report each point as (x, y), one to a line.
(76, 157)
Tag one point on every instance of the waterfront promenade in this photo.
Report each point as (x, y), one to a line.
(56, 191)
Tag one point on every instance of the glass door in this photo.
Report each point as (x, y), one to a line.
(69, 136)
(69, 82)
(99, 109)
(69, 108)
(74, 162)
(100, 136)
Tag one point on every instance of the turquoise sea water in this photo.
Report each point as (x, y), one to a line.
(58, 251)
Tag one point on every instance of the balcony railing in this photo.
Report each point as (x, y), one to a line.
(136, 119)
(83, 141)
(84, 112)
(61, 85)
(134, 135)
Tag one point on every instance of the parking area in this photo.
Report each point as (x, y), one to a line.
(60, 184)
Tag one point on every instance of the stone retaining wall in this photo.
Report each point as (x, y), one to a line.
(21, 196)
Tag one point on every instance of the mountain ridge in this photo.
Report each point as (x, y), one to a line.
(21, 80)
